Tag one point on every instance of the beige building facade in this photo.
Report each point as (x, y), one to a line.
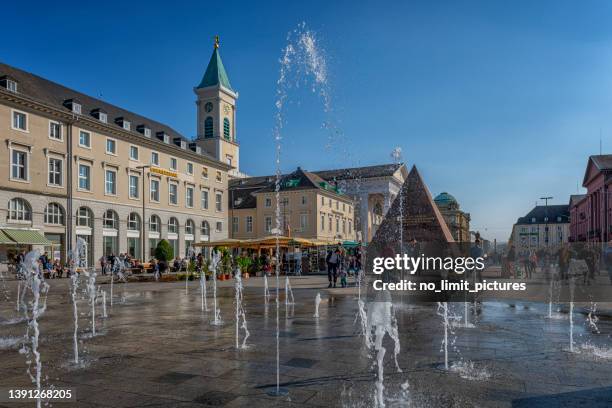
(78, 167)
(309, 208)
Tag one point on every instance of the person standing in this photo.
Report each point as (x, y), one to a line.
(332, 267)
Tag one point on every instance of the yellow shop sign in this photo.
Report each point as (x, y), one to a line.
(164, 172)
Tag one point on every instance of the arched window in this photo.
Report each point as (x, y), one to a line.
(154, 223)
(110, 220)
(54, 214)
(226, 128)
(84, 217)
(189, 227)
(134, 222)
(208, 127)
(205, 229)
(173, 225)
(19, 210)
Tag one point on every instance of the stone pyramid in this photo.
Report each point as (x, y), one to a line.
(420, 217)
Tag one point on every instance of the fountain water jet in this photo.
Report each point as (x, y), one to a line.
(216, 259)
(203, 300)
(317, 303)
(381, 321)
(593, 319)
(266, 289)
(104, 313)
(288, 292)
(92, 291)
(240, 314)
(37, 286)
(74, 286)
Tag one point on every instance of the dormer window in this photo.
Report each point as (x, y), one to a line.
(144, 130)
(9, 83)
(533, 220)
(124, 123)
(100, 115)
(73, 105)
(164, 137)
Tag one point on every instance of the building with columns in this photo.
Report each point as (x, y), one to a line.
(591, 213)
(77, 166)
(372, 188)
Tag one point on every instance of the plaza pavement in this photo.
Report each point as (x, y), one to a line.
(158, 349)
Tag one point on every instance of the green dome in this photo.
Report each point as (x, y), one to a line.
(445, 199)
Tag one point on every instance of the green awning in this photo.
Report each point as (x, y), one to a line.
(4, 239)
(26, 237)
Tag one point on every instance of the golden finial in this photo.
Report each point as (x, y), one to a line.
(216, 41)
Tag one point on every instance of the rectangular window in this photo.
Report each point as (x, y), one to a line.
(111, 146)
(268, 202)
(268, 225)
(84, 139)
(204, 200)
(127, 125)
(205, 172)
(20, 121)
(219, 202)
(11, 85)
(190, 168)
(55, 130)
(110, 182)
(155, 158)
(322, 200)
(55, 171)
(134, 183)
(173, 164)
(303, 200)
(19, 165)
(84, 177)
(154, 190)
(350, 226)
(219, 226)
(322, 222)
(134, 152)
(249, 223)
(173, 191)
(234, 224)
(189, 197)
(344, 226)
(303, 221)
(218, 178)
(103, 117)
(337, 224)
(329, 222)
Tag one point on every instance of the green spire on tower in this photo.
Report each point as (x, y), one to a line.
(215, 72)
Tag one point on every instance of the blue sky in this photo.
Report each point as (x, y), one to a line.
(496, 102)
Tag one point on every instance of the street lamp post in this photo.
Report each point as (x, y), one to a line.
(142, 222)
(546, 217)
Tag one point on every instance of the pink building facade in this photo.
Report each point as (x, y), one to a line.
(591, 213)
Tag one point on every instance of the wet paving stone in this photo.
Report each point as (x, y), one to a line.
(301, 362)
(215, 398)
(174, 378)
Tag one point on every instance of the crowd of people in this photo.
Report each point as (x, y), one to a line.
(555, 261)
(341, 263)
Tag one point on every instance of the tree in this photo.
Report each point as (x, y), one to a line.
(164, 253)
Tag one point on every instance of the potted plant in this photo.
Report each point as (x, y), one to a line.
(164, 253)
(226, 264)
(244, 262)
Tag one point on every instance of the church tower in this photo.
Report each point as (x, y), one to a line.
(216, 104)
